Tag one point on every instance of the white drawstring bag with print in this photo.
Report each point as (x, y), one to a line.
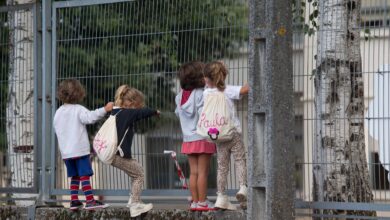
(105, 142)
(215, 122)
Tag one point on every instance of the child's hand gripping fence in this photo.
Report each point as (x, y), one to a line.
(179, 171)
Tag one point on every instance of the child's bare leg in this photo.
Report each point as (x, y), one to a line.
(203, 172)
(193, 161)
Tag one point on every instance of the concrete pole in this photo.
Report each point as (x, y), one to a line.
(271, 114)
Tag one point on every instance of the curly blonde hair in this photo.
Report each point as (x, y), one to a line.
(127, 93)
(70, 91)
(216, 71)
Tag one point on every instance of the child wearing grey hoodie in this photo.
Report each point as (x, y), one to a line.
(189, 104)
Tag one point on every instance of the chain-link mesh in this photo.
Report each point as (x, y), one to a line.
(142, 44)
(17, 99)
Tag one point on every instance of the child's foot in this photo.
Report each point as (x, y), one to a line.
(205, 206)
(223, 202)
(242, 194)
(193, 206)
(75, 205)
(138, 208)
(95, 205)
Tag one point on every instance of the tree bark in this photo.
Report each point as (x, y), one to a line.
(20, 102)
(340, 165)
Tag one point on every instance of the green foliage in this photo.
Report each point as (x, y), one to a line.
(299, 7)
(368, 35)
(311, 27)
(142, 43)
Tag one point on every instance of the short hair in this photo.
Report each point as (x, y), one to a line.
(191, 75)
(127, 93)
(70, 91)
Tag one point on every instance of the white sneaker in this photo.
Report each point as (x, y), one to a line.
(138, 208)
(223, 202)
(193, 206)
(205, 206)
(129, 202)
(242, 196)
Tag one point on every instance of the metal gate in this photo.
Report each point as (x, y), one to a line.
(142, 43)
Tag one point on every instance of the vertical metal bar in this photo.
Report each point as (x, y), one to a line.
(46, 106)
(52, 77)
(37, 95)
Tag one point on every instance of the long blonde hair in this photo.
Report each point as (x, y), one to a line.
(216, 72)
(127, 93)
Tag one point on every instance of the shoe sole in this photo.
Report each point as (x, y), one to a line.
(228, 207)
(97, 207)
(205, 209)
(75, 208)
(141, 212)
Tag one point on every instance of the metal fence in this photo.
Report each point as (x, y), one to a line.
(142, 43)
(17, 83)
(374, 74)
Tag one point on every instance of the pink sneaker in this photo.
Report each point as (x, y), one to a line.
(205, 206)
(193, 206)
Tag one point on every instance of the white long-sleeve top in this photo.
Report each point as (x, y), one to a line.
(69, 125)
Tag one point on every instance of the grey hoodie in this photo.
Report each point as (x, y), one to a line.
(188, 114)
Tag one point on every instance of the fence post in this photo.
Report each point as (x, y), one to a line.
(37, 94)
(46, 171)
(271, 114)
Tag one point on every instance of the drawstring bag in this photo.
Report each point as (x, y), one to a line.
(215, 123)
(105, 142)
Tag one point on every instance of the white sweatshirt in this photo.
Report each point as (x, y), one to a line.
(69, 125)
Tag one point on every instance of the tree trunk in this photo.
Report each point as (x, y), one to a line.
(20, 102)
(340, 165)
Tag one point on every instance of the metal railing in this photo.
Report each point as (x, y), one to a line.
(108, 43)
